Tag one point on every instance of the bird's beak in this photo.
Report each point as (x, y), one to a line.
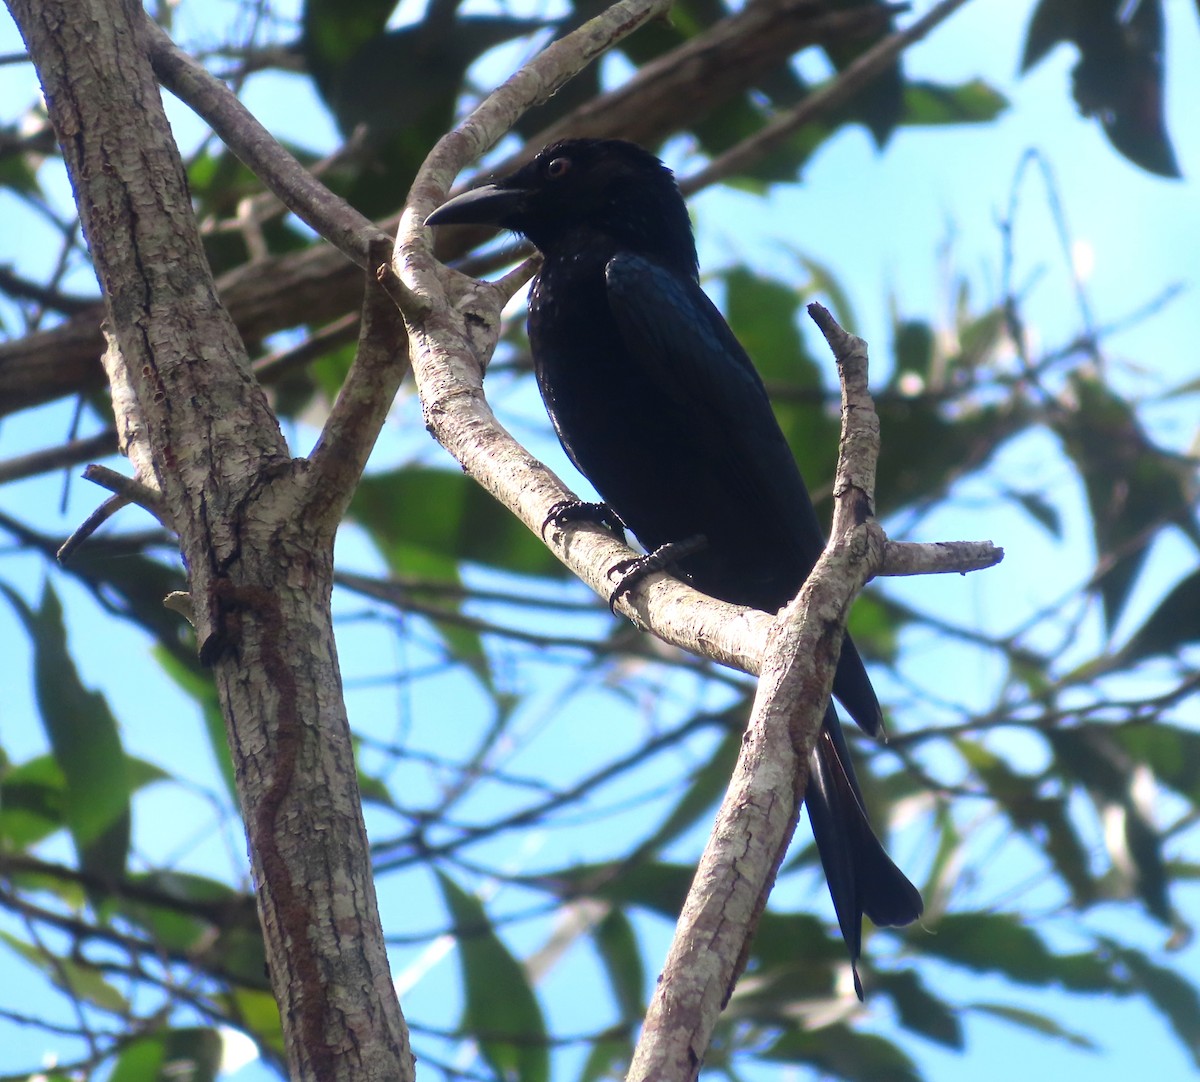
(488, 205)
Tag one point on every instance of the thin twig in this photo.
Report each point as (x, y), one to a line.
(126, 491)
(304, 195)
(273, 366)
(857, 75)
(362, 405)
(67, 454)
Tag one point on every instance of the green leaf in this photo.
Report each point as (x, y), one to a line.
(141, 1061)
(330, 370)
(925, 448)
(84, 740)
(334, 30)
(844, 1053)
(132, 585)
(197, 683)
(919, 1009)
(1176, 999)
(608, 1058)
(992, 942)
(973, 102)
(978, 339)
(822, 280)
(425, 521)
(1119, 77)
(1039, 509)
(257, 1014)
(793, 960)
(879, 103)
(395, 90)
(1037, 1023)
(1133, 488)
(1053, 21)
(617, 947)
(730, 121)
(1044, 819)
(653, 885)
(1171, 752)
(763, 313)
(502, 1011)
(1171, 626)
(375, 790)
(913, 350)
(174, 1055)
(76, 980)
(1002, 943)
(875, 626)
(182, 912)
(32, 798)
(18, 171)
(1091, 755)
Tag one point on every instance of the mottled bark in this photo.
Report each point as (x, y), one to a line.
(256, 531)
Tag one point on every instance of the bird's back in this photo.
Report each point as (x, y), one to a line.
(671, 425)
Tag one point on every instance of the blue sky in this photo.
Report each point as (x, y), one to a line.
(877, 220)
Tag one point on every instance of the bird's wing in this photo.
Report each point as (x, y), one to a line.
(683, 344)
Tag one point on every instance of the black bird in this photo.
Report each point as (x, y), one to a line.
(658, 405)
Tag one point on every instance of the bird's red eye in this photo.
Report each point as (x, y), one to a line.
(558, 167)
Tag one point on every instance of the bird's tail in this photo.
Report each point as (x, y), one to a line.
(861, 876)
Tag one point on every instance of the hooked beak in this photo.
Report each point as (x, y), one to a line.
(488, 205)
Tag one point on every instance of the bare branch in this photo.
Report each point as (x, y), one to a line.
(939, 557)
(454, 330)
(726, 59)
(536, 82)
(340, 332)
(304, 195)
(127, 491)
(857, 75)
(132, 439)
(316, 285)
(67, 454)
(759, 813)
(362, 405)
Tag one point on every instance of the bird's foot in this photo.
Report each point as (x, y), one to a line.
(566, 512)
(636, 568)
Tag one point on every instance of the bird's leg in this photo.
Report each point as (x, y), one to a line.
(565, 512)
(636, 568)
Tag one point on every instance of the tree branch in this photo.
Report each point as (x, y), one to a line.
(857, 75)
(758, 816)
(317, 285)
(200, 433)
(454, 327)
(362, 404)
(454, 331)
(330, 216)
(64, 455)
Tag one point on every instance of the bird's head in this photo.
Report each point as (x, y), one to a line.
(590, 186)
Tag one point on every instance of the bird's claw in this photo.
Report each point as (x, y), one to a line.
(566, 512)
(636, 568)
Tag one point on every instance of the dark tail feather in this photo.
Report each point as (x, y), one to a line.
(861, 876)
(852, 688)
